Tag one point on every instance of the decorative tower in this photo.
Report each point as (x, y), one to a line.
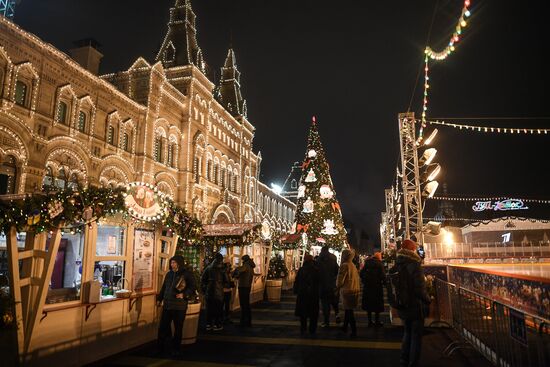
(290, 187)
(180, 46)
(228, 92)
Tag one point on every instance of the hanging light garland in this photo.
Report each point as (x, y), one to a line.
(430, 54)
(487, 221)
(447, 198)
(488, 129)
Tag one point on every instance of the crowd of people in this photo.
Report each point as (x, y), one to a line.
(319, 282)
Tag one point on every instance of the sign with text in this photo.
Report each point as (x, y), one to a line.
(144, 201)
(504, 205)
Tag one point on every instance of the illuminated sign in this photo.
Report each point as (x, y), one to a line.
(144, 201)
(504, 205)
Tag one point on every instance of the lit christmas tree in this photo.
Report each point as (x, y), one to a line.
(318, 213)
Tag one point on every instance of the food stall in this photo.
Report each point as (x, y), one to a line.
(85, 267)
(233, 241)
(289, 247)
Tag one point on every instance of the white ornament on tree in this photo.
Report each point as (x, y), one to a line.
(293, 229)
(311, 176)
(308, 206)
(301, 191)
(312, 154)
(329, 227)
(326, 192)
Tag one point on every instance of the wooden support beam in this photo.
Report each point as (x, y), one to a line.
(15, 288)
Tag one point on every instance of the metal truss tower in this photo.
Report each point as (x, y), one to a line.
(412, 191)
(7, 8)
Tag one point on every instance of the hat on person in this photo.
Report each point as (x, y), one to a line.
(409, 245)
(377, 255)
(246, 258)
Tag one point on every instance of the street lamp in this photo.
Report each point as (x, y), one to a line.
(433, 171)
(430, 138)
(427, 157)
(429, 190)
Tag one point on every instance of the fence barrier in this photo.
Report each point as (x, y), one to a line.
(506, 336)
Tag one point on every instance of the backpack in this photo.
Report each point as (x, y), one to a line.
(399, 287)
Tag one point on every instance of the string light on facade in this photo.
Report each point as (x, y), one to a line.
(490, 129)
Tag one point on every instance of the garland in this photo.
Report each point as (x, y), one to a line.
(450, 198)
(490, 129)
(76, 209)
(247, 238)
(429, 53)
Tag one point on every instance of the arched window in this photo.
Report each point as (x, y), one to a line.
(235, 179)
(47, 182)
(21, 91)
(110, 134)
(230, 179)
(8, 174)
(171, 151)
(61, 180)
(293, 184)
(158, 149)
(223, 173)
(170, 53)
(125, 143)
(196, 169)
(209, 170)
(216, 171)
(62, 113)
(82, 121)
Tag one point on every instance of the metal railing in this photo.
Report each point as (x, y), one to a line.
(464, 252)
(506, 336)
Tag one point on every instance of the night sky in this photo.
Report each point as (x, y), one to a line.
(354, 65)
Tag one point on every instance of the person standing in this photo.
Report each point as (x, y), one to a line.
(178, 286)
(227, 292)
(213, 279)
(412, 284)
(348, 283)
(245, 275)
(306, 289)
(328, 271)
(374, 278)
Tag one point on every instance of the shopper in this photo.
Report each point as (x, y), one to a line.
(306, 288)
(414, 300)
(348, 283)
(328, 271)
(374, 279)
(245, 275)
(213, 279)
(227, 292)
(177, 288)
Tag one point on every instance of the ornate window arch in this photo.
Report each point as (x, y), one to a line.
(65, 102)
(85, 115)
(127, 136)
(159, 142)
(173, 150)
(8, 175)
(25, 85)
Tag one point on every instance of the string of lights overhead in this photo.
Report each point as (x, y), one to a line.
(466, 199)
(488, 129)
(431, 54)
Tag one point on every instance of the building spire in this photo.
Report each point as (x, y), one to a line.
(229, 89)
(180, 46)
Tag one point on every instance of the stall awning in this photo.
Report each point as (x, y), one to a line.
(228, 229)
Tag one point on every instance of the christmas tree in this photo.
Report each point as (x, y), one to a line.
(318, 213)
(277, 268)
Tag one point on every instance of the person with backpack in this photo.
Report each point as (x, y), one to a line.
(306, 289)
(348, 282)
(212, 282)
(328, 271)
(373, 276)
(408, 294)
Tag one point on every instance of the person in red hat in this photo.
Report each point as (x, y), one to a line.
(415, 301)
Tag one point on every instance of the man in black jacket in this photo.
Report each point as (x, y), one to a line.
(212, 282)
(328, 271)
(245, 274)
(178, 286)
(414, 312)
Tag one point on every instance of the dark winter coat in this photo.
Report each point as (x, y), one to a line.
(213, 280)
(328, 271)
(409, 261)
(306, 288)
(168, 291)
(245, 273)
(373, 277)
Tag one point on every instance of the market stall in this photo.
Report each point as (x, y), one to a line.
(289, 247)
(233, 241)
(85, 267)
